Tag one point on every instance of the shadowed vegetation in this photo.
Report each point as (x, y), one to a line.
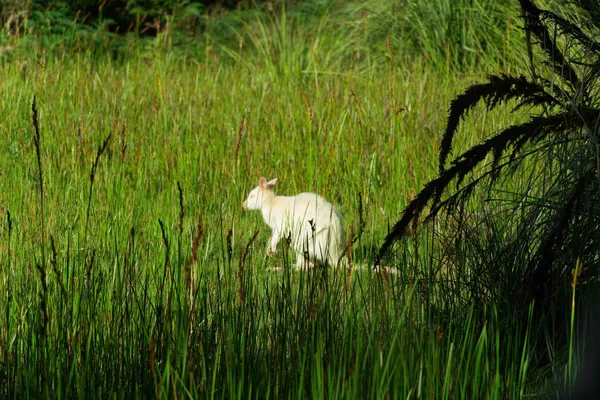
(551, 231)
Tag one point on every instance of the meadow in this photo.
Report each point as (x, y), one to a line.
(129, 269)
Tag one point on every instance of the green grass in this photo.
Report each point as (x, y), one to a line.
(120, 316)
(118, 291)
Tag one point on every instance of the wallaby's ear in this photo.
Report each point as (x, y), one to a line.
(272, 182)
(262, 182)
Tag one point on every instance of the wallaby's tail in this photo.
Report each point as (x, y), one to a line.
(343, 262)
(387, 270)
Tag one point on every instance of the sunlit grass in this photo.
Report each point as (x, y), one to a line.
(129, 309)
(149, 280)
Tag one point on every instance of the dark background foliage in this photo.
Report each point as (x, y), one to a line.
(122, 15)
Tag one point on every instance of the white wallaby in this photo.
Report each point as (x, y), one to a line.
(313, 224)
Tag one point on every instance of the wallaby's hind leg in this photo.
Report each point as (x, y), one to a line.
(302, 263)
(272, 249)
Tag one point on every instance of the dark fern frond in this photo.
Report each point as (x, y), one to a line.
(536, 129)
(533, 130)
(499, 89)
(506, 168)
(534, 25)
(542, 263)
(412, 212)
(590, 89)
(569, 28)
(522, 249)
(553, 95)
(592, 9)
(452, 202)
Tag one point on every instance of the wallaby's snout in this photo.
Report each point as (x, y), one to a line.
(259, 194)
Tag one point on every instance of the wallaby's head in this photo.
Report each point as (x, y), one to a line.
(256, 196)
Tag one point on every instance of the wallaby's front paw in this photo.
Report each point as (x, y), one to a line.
(302, 266)
(271, 251)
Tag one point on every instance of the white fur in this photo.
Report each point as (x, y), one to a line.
(323, 241)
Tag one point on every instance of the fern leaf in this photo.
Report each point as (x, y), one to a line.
(535, 130)
(533, 24)
(499, 89)
(570, 29)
